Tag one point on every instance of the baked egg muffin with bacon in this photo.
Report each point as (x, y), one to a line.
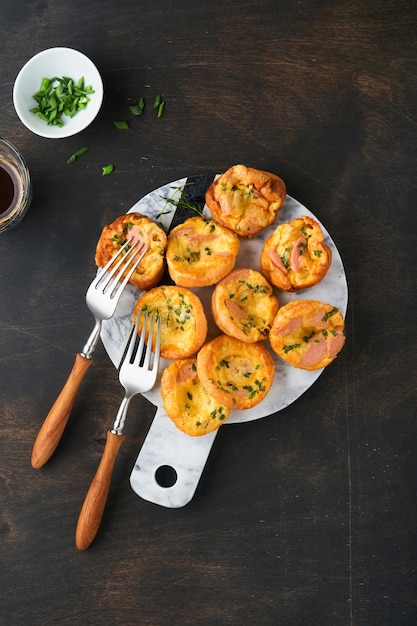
(136, 228)
(295, 256)
(244, 306)
(187, 402)
(235, 373)
(183, 321)
(308, 334)
(245, 199)
(200, 252)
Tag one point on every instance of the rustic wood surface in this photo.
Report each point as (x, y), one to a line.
(307, 517)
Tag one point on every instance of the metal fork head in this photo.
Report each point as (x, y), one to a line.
(136, 373)
(139, 367)
(104, 292)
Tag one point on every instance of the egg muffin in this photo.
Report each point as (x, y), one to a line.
(187, 402)
(135, 227)
(244, 306)
(200, 252)
(295, 256)
(235, 373)
(183, 321)
(245, 199)
(308, 334)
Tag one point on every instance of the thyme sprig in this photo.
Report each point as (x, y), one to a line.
(182, 202)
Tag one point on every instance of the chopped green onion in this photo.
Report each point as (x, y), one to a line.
(157, 101)
(60, 96)
(107, 169)
(121, 124)
(77, 154)
(137, 109)
(330, 313)
(289, 348)
(161, 109)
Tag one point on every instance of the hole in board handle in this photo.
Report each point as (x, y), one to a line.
(166, 476)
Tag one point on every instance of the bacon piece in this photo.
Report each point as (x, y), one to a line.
(276, 260)
(137, 239)
(135, 235)
(200, 238)
(183, 231)
(225, 207)
(320, 346)
(335, 342)
(292, 325)
(186, 373)
(317, 321)
(223, 254)
(316, 350)
(296, 253)
(235, 309)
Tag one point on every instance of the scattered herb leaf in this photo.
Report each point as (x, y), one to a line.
(107, 169)
(137, 109)
(121, 124)
(77, 154)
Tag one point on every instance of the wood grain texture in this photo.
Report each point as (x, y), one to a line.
(307, 516)
(55, 422)
(95, 501)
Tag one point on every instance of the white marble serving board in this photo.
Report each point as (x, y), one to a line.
(167, 447)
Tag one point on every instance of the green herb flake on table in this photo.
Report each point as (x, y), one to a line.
(107, 169)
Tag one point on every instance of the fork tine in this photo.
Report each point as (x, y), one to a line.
(110, 281)
(130, 351)
(140, 253)
(158, 344)
(139, 351)
(104, 269)
(149, 345)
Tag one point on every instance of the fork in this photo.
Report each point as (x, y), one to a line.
(137, 375)
(102, 298)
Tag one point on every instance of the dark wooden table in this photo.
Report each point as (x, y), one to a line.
(306, 517)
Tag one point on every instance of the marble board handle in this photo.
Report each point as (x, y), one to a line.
(170, 463)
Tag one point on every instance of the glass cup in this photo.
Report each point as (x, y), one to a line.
(15, 186)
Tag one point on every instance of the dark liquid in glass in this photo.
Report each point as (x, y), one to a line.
(7, 188)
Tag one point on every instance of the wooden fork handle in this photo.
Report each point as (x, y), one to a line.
(57, 418)
(96, 498)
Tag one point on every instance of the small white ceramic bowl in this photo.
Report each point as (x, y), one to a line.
(48, 64)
